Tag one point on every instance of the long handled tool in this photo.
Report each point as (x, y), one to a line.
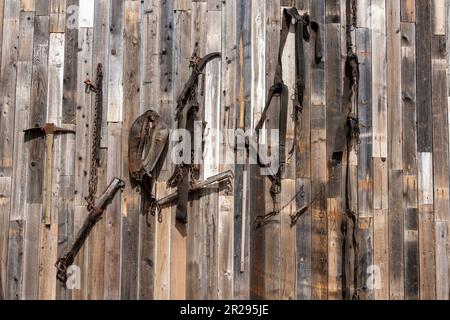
(95, 214)
(49, 130)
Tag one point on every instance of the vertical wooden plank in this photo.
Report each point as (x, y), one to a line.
(27, 5)
(82, 162)
(96, 241)
(364, 257)
(36, 147)
(31, 263)
(380, 144)
(408, 10)
(379, 69)
(151, 25)
(42, 7)
(319, 262)
(334, 77)
(5, 205)
(439, 17)
(448, 84)
(272, 230)
(303, 173)
(396, 212)
(410, 161)
(393, 45)
(258, 54)
(115, 72)
(423, 62)
(131, 200)
(49, 233)
(66, 203)
(8, 74)
(426, 227)
(363, 14)
(212, 93)
(396, 236)
(288, 198)
(2, 3)
(57, 13)
(48, 236)
(14, 272)
(253, 21)
(23, 101)
(227, 113)
(195, 232)
(441, 229)
(381, 228)
(179, 241)
(55, 79)
(70, 63)
(86, 14)
(148, 60)
(111, 288)
(20, 155)
(440, 159)
(243, 234)
(38, 107)
(163, 230)
(448, 47)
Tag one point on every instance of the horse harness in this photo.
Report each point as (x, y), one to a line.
(185, 174)
(303, 24)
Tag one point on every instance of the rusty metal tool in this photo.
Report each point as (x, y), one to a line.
(49, 130)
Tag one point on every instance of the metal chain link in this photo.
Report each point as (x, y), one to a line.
(96, 125)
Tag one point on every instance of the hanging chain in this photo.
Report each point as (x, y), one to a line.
(95, 142)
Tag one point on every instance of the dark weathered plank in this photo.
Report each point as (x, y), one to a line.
(70, 63)
(334, 79)
(410, 161)
(303, 171)
(364, 258)
(37, 116)
(423, 84)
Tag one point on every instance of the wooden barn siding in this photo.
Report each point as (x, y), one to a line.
(49, 47)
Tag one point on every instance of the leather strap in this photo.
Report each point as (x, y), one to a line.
(280, 89)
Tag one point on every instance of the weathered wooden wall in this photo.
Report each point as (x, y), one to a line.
(49, 47)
